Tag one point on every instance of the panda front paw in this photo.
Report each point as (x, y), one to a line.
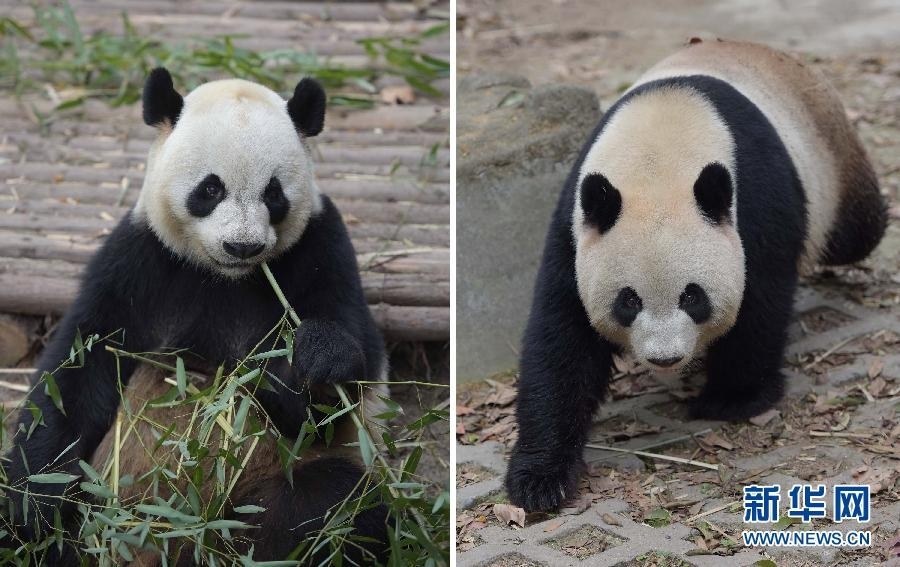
(732, 406)
(541, 482)
(324, 353)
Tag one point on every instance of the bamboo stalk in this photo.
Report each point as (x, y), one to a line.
(681, 460)
(713, 511)
(345, 400)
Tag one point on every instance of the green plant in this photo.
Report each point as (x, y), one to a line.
(182, 498)
(112, 67)
(419, 69)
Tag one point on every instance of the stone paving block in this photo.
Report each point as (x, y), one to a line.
(743, 559)
(488, 455)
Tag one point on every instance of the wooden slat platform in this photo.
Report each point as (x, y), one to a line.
(63, 188)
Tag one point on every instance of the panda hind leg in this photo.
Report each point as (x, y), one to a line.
(861, 220)
(293, 514)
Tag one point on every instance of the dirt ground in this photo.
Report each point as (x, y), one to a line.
(606, 46)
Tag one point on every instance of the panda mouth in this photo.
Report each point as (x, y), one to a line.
(235, 265)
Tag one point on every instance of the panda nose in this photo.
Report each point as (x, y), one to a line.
(665, 362)
(243, 250)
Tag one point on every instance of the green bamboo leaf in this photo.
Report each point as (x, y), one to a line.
(180, 376)
(412, 463)
(365, 447)
(241, 416)
(70, 104)
(166, 512)
(227, 525)
(52, 478)
(271, 354)
(249, 509)
(89, 471)
(338, 414)
(435, 31)
(51, 389)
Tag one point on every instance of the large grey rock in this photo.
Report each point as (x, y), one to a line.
(515, 146)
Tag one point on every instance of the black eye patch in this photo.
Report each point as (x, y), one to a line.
(626, 306)
(206, 196)
(695, 303)
(275, 201)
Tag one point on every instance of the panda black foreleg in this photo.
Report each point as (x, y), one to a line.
(744, 375)
(89, 396)
(324, 353)
(564, 373)
(555, 405)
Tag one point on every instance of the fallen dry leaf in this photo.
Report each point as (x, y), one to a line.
(714, 439)
(762, 419)
(551, 526)
(894, 212)
(507, 513)
(877, 387)
(893, 546)
(843, 422)
(876, 367)
(503, 396)
(610, 519)
(701, 543)
(578, 506)
(878, 478)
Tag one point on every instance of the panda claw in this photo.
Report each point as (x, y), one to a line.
(730, 407)
(534, 488)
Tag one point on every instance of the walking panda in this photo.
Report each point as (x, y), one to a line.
(680, 232)
(229, 184)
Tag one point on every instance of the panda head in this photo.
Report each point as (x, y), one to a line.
(659, 263)
(229, 179)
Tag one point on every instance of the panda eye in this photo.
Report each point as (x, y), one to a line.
(206, 196)
(276, 201)
(695, 303)
(212, 188)
(213, 191)
(627, 306)
(273, 191)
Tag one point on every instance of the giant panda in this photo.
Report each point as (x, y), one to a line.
(229, 184)
(680, 232)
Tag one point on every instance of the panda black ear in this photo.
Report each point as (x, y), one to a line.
(713, 192)
(600, 201)
(307, 107)
(162, 103)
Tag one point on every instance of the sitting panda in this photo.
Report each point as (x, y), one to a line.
(680, 232)
(229, 185)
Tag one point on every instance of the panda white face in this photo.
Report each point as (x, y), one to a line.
(230, 185)
(659, 263)
(660, 293)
